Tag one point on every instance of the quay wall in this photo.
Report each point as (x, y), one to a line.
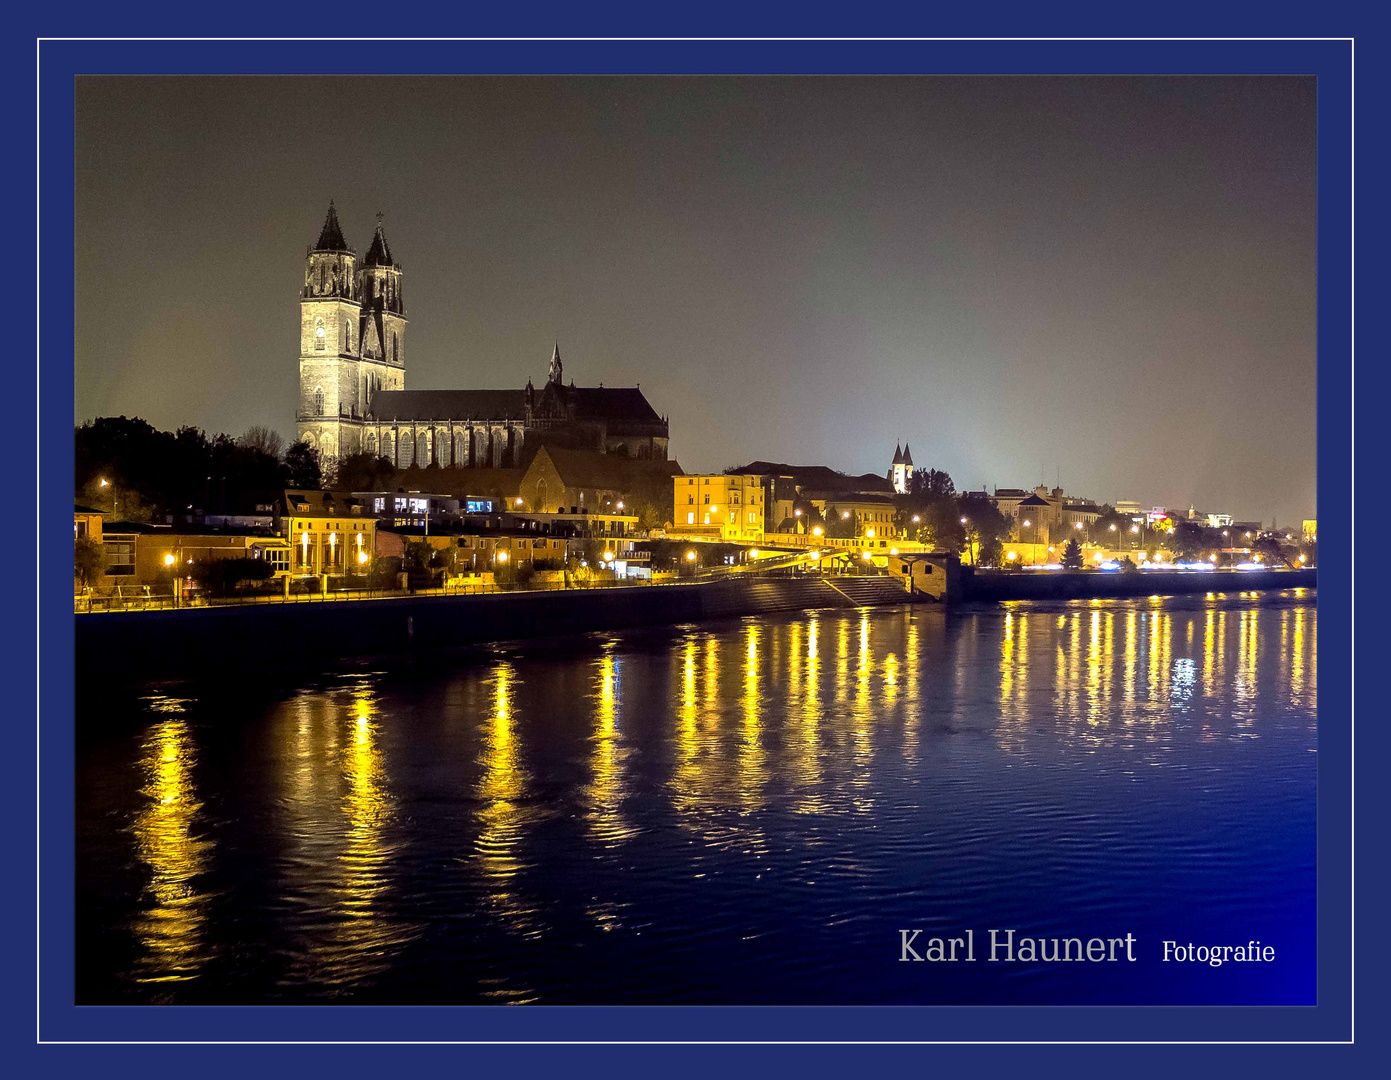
(1024, 585)
(144, 646)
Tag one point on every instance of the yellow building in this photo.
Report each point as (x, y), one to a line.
(729, 508)
(1311, 529)
(330, 532)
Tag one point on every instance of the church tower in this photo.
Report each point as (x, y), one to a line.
(330, 309)
(901, 471)
(383, 336)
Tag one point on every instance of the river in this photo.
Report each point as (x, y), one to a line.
(739, 812)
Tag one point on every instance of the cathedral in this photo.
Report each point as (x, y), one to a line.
(352, 382)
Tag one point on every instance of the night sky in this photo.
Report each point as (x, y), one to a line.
(1105, 281)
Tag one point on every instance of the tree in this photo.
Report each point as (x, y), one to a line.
(1072, 554)
(88, 560)
(1269, 548)
(302, 469)
(985, 528)
(931, 484)
(842, 528)
(363, 472)
(263, 440)
(222, 576)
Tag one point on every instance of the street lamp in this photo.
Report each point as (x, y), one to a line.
(502, 556)
(817, 530)
(690, 556)
(170, 560)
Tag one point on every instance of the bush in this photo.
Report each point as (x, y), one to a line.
(510, 575)
(221, 577)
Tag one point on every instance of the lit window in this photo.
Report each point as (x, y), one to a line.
(690, 518)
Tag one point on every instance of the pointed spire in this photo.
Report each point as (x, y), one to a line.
(378, 254)
(331, 236)
(898, 454)
(907, 455)
(555, 374)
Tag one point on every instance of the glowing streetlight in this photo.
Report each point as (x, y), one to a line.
(519, 502)
(869, 533)
(916, 519)
(844, 514)
(690, 556)
(1011, 555)
(867, 556)
(817, 531)
(361, 556)
(753, 553)
(170, 560)
(893, 551)
(796, 513)
(1027, 522)
(1301, 558)
(1076, 524)
(105, 482)
(1134, 528)
(620, 504)
(502, 556)
(1111, 527)
(1213, 558)
(608, 556)
(963, 521)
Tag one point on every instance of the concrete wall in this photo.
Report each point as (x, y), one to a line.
(1058, 585)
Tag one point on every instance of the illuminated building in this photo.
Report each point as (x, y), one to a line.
(352, 379)
(329, 532)
(727, 507)
(901, 471)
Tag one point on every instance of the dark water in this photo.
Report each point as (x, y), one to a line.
(739, 812)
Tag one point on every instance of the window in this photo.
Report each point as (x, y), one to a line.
(690, 518)
(395, 348)
(347, 340)
(318, 401)
(707, 519)
(120, 555)
(319, 335)
(707, 500)
(690, 500)
(751, 517)
(278, 558)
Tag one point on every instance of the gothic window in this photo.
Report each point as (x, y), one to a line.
(318, 401)
(395, 348)
(442, 448)
(387, 452)
(460, 448)
(347, 338)
(371, 444)
(422, 448)
(319, 335)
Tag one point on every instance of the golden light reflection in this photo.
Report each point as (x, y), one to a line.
(606, 790)
(501, 789)
(753, 767)
(171, 930)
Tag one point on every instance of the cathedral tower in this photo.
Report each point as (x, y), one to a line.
(352, 338)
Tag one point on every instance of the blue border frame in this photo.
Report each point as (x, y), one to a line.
(60, 1020)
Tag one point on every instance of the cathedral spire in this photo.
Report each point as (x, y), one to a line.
(555, 373)
(378, 254)
(331, 236)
